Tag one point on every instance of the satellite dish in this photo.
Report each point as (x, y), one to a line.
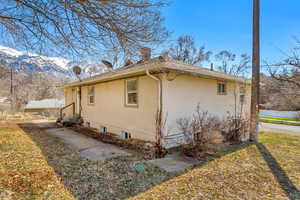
(107, 64)
(128, 62)
(77, 70)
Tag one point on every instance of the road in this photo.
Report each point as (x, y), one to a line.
(280, 128)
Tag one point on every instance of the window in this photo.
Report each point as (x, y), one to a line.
(91, 95)
(126, 135)
(103, 129)
(242, 98)
(221, 88)
(131, 92)
(242, 90)
(242, 94)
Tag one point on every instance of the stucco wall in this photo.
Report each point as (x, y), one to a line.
(110, 111)
(181, 96)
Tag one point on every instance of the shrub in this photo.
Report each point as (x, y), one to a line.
(198, 130)
(234, 127)
(195, 131)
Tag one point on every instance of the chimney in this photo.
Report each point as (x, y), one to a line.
(145, 53)
(212, 67)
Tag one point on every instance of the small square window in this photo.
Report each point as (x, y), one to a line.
(103, 129)
(91, 95)
(221, 88)
(131, 89)
(242, 99)
(126, 135)
(242, 90)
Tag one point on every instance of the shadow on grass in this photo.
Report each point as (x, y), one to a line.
(285, 183)
(138, 181)
(109, 179)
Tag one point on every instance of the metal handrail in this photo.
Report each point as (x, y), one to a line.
(71, 104)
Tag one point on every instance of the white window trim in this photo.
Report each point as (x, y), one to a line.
(225, 88)
(88, 95)
(133, 91)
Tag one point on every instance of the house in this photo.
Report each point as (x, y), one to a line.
(47, 107)
(134, 100)
(4, 103)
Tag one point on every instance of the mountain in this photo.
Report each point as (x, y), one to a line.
(26, 63)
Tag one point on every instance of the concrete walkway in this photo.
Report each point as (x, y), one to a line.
(280, 128)
(86, 146)
(174, 162)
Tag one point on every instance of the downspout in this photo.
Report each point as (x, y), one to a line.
(159, 108)
(159, 89)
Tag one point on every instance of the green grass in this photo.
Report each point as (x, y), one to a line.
(279, 118)
(279, 122)
(269, 169)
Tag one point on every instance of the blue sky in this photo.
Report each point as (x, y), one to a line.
(226, 24)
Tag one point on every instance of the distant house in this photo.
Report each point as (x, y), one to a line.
(45, 107)
(128, 100)
(4, 103)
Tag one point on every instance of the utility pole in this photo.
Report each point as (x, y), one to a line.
(11, 89)
(255, 71)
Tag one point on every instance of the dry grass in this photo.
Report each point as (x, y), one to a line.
(35, 154)
(34, 165)
(269, 169)
(24, 172)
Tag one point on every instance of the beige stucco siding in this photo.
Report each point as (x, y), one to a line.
(110, 111)
(181, 96)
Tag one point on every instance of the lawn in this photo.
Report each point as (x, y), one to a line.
(24, 171)
(269, 169)
(279, 122)
(280, 118)
(34, 165)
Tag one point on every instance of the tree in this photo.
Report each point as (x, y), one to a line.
(279, 95)
(83, 26)
(288, 70)
(226, 62)
(185, 50)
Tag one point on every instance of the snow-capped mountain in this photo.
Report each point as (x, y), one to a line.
(26, 63)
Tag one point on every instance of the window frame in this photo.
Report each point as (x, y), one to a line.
(242, 90)
(225, 88)
(242, 99)
(131, 92)
(88, 95)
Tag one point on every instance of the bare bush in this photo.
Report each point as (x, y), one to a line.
(195, 129)
(234, 127)
(198, 130)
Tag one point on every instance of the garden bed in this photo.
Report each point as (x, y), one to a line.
(148, 149)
